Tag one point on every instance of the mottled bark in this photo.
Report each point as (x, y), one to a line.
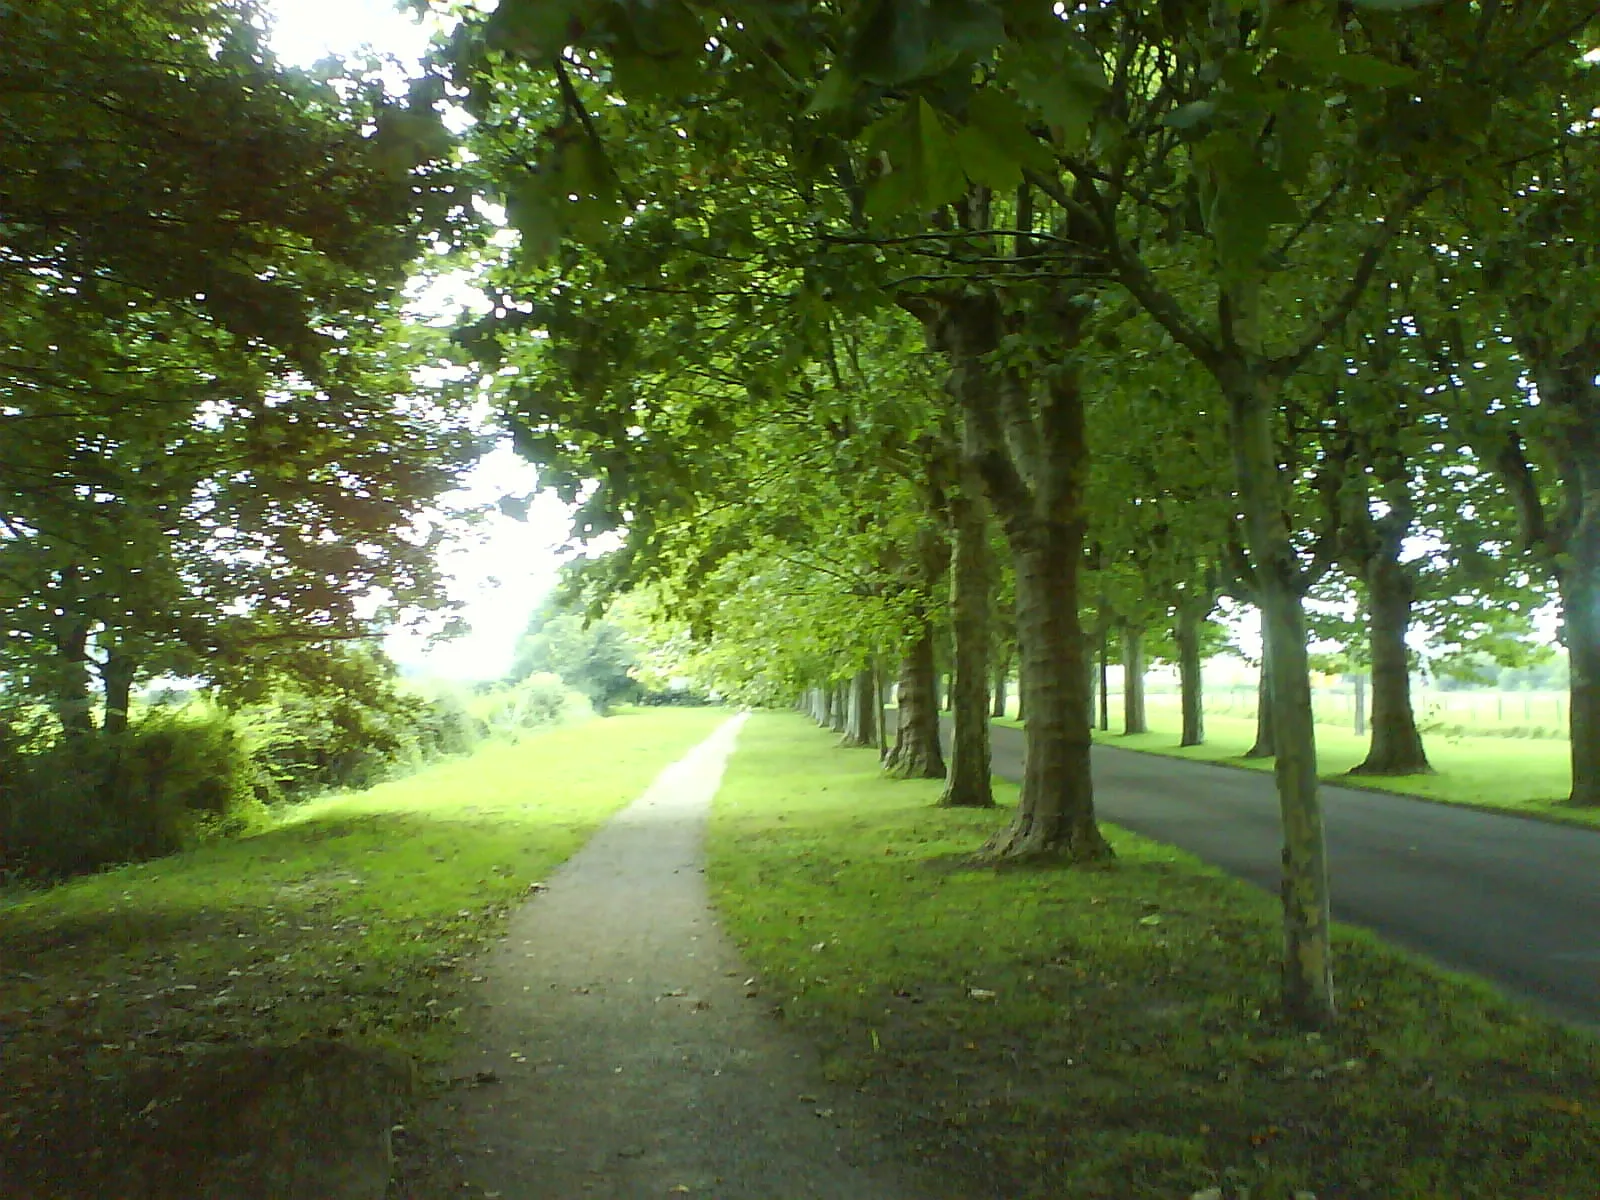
(861, 725)
(879, 703)
(1307, 982)
(839, 707)
(998, 696)
(69, 682)
(1580, 596)
(1190, 684)
(916, 753)
(1055, 814)
(1028, 446)
(116, 678)
(1105, 683)
(967, 785)
(1133, 719)
(1265, 745)
(1396, 746)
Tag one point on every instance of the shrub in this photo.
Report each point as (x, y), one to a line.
(81, 803)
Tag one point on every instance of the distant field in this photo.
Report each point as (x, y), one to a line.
(1451, 714)
(1528, 775)
(1502, 714)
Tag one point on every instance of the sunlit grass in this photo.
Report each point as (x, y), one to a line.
(1108, 1033)
(1530, 776)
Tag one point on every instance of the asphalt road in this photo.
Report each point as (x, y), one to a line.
(1513, 900)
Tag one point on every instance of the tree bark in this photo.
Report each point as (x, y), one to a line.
(1265, 745)
(839, 708)
(116, 677)
(1358, 684)
(1190, 684)
(861, 727)
(1002, 677)
(1055, 814)
(1031, 453)
(968, 784)
(916, 753)
(1580, 598)
(1105, 682)
(1307, 982)
(1133, 720)
(70, 678)
(1396, 746)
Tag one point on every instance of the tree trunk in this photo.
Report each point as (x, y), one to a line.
(839, 708)
(1308, 952)
(999, 697)
(1105, 682)
(1133, 680)
(1055, 814)
(70, 679)
(861, 728)
(1022, 688)
(1028, 446)
(968, 783)
(916, 753)
(1580, 599)
(1396, 747)
(1358, 684)
(1187, 635)
(1265, 745)
(116, 678)
(879, 702)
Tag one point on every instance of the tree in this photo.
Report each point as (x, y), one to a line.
(214, 457)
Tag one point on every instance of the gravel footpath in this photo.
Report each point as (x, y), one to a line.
(623, 1050)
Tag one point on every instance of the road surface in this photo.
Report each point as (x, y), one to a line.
(1514, 900)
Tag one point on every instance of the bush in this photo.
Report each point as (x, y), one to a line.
(82, 803)
(535, 702)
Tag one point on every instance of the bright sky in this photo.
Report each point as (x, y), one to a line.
(505, 568)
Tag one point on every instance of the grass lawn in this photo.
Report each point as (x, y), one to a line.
(349, 919)
(1523, 775)
(1108, 1032)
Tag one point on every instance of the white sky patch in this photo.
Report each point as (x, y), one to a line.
(304, 31)
(503, 568)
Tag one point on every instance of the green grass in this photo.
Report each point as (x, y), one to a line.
(1532, 777)
(353, 918)
(1109, 1032)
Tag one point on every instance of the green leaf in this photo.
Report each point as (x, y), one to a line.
(1250, 198)
(1187, 116)
(534, 29)
(922, 164)
(891, 46)
(1065, 103)
(1394, 5)
(984, 161)
(1368, 71)
(835, 91)
(962, 27)
(532, 212)
(1006, 123)
(941, 166)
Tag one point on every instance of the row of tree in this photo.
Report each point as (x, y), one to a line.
(821, 306)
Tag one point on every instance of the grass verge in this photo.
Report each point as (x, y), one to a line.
(350, 919)
(1525, 776)
(1109, 1032)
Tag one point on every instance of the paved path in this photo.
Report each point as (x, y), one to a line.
(629, 1061)
(1512, 899)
